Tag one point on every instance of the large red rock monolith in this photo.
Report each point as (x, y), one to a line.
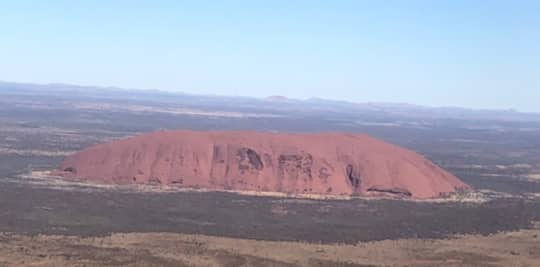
(322, 163)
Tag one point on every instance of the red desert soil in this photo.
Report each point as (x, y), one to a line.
(324, 163)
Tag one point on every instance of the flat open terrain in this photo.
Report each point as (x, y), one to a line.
(520, 248)
(49, 224)
(86, 211)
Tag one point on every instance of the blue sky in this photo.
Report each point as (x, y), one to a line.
(481, 54)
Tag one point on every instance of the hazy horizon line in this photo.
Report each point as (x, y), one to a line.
(180, 92)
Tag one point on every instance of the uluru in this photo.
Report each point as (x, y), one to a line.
(315, 163)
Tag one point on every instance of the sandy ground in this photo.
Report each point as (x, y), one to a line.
(520, 248)
(51, 180)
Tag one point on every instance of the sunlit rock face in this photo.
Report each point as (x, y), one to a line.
(322, 163)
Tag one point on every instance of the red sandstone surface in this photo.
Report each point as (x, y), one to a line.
(322, 163)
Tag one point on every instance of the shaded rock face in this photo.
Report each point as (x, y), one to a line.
(325, 163)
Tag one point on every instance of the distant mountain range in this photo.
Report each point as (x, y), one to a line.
(276, 103)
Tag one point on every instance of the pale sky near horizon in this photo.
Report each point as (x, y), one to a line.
(479, 54)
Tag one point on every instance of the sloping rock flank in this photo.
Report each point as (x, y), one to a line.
(325, 163)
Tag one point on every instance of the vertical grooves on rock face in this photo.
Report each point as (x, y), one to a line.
(353, 177)
(213, 160)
